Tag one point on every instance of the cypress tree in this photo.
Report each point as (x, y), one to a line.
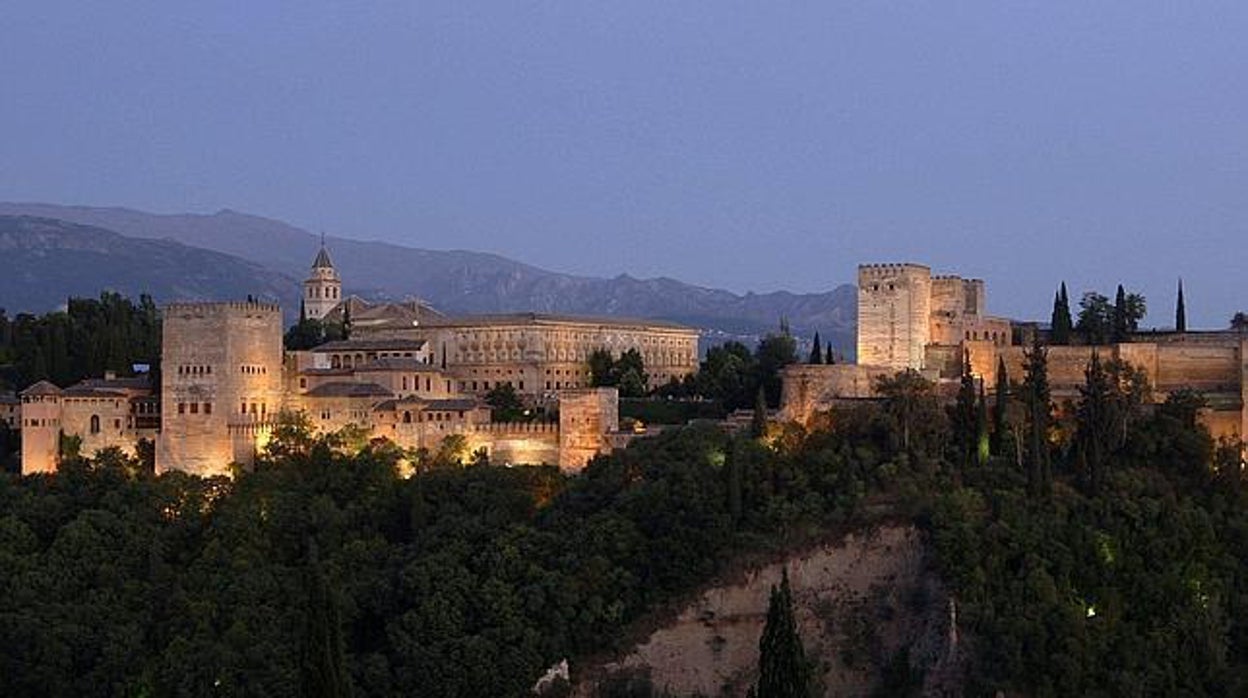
(1120, 327)
(982, 443)
(346, 321)
(783, 671)
(322, 664)
(1061, 323)
(999, 408)
(303, 312)
(1036, 389)
(758, 426)
(1095, 419)
(1180, 311)
(816, 353)
(828, 356)
(964, 419)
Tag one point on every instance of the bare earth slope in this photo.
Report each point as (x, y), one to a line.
(860, 602)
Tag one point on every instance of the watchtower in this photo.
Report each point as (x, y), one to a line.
(894, 315)
(221, 384)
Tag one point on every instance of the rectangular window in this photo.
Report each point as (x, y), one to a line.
(207, 408)
(242, 408)
(194, 408)
(181, 408)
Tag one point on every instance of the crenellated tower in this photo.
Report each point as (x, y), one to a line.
(894, 315)
(322, 291)
(221, 384)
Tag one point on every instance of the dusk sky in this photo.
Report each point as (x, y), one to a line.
(759, 146)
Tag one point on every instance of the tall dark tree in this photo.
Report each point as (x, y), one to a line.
(829, 357)
(758, 425)
(983, 443)
(965, 425)
(322, 664)
(1000, 408)
(1095, 420)
(1061, 324)
(773, 354)
(1119, 329)
(816, 352)
(783, 670)
(1039, 413)
(1180, 311)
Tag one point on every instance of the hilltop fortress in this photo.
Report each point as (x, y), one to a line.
(909, 319)
(414, 376)
(407, 373)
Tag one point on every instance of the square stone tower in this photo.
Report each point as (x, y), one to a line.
(221, 384)
(894, 315)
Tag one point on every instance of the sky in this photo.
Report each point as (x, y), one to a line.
(750, 146)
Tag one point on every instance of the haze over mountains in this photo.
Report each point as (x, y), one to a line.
(230, 254)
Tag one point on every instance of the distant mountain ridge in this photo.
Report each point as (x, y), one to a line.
(45, 261)
(459, 281)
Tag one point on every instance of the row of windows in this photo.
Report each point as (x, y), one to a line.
(194, 407)
(315, 292)
(485, 385)
(429, 417)
(193, 370)
(42, 422)
(253, 370)
(260, 408)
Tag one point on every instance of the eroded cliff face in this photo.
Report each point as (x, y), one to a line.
(868, 605)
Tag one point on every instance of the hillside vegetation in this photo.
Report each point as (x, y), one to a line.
(326, 569)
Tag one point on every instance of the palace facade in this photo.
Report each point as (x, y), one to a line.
(408, 374)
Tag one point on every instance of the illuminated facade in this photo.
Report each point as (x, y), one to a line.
(911, 320)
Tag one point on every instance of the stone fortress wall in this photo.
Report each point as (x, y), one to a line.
(952, 322)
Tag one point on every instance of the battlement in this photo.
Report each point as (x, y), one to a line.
(892, 268)
(222, 307)
(517, 428)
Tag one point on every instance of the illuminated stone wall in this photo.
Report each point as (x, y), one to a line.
(894, 314)
(41, 431)
(221, 386)
(544, 356)
(586, 416)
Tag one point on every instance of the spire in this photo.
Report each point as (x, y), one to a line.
(322, 257)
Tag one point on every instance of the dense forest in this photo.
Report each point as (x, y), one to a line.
(89, 337)
(1115, 566)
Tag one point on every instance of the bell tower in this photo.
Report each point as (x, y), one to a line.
(322, 291)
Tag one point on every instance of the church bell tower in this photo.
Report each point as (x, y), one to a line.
(322, 291)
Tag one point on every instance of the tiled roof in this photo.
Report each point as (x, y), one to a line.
(391, 363)
(345, 345)
(415, 403)
(322, 260)
(42, 388)
(349, 390)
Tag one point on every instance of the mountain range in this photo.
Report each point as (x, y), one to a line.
(55, 251)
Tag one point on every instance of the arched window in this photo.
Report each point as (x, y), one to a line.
(95, 424)
(407, 417)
